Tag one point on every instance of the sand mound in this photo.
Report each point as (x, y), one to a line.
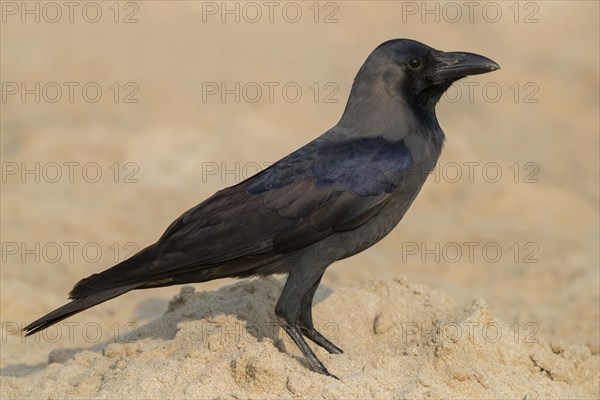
(400, 340)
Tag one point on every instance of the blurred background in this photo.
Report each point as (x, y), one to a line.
(118, 116)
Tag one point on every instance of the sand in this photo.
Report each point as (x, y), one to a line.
(173, 148)
(401, 340)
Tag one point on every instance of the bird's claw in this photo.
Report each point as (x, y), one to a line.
(327, 373)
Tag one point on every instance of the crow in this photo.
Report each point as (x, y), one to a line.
(329, 200)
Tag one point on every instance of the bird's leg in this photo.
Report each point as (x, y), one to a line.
(300, 281)
(305, 322)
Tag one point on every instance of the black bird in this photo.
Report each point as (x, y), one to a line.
(329, 200)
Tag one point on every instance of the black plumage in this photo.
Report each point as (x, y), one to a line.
(333, 198)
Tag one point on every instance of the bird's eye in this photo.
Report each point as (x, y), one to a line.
(414, 62)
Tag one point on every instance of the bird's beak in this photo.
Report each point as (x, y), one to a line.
(456, 65)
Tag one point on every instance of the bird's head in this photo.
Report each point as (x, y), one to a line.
(414, 74)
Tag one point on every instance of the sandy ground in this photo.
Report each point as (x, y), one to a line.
(526, 240)
(408, 341)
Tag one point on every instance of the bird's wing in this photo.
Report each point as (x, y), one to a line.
(315, 192)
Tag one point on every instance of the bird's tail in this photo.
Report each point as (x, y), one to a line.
(75, 306)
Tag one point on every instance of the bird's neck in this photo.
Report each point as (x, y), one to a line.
(372, 112)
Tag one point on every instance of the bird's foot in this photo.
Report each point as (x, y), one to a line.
(321, 340)
(311, 359)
